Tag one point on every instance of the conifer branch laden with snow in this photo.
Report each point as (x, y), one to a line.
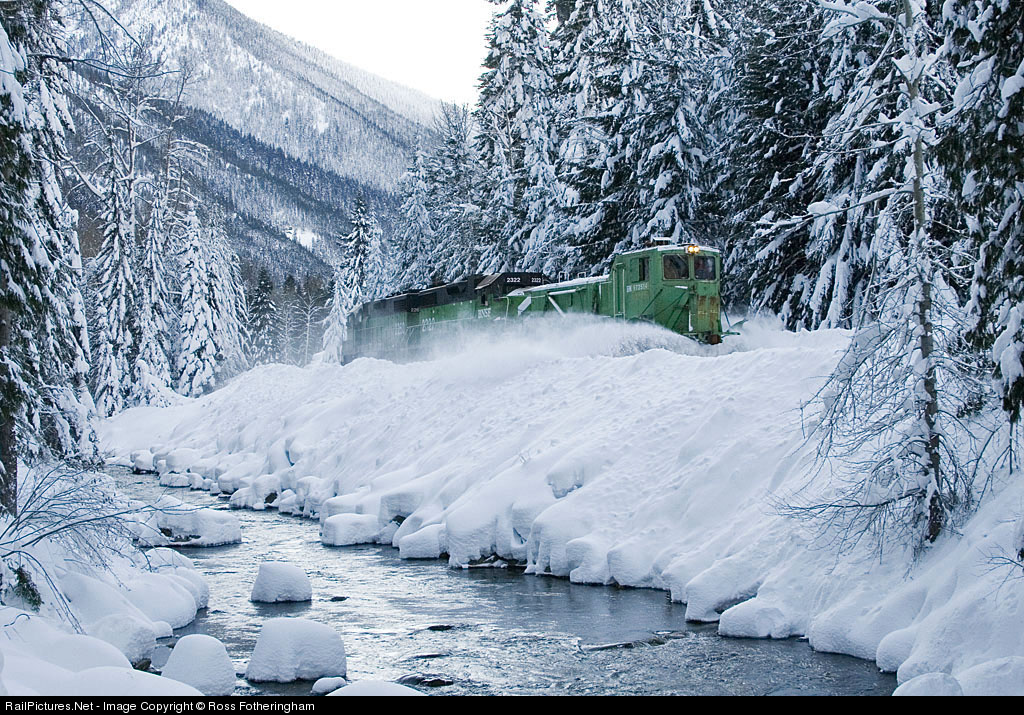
(44, 400)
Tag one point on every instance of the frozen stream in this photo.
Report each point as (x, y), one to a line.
(492, 631)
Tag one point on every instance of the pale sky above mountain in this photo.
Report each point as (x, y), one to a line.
(435, 46)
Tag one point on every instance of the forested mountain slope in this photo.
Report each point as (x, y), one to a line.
(294, 136)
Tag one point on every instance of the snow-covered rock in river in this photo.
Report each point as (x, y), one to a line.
(279, 582)
(375, 688)
(327, 685)
(350, 529)
(122, 682)
(202, 662)
(290, 649)
(171, 521)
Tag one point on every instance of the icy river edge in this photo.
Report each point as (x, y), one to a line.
(487, 631)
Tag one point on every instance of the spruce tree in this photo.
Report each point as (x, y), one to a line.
(199, 352)
(152, 380)
(263, 335)
(115, 343)
(983, 149)
(44, 401)
(516, 140)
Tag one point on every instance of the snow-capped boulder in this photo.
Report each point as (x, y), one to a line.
(427, 543)
(290, 649)
(375, 688)
(930, 684)
(279, 582)
(327, 685)
(133, 636)
(171, 521)
(350, 529)
(77, 652)
(163, 598)
(202, 662)
(121, 682)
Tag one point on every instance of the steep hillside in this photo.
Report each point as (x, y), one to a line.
(294, 135)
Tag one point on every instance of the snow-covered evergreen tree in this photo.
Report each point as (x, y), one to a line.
(772, 118)
(115, 342)
(516, 139)
(44, 401)
(210, 335)
(416, 235)
(984, 152)
(360, 254)
(151, 379)
(343, 303)
(262, 331)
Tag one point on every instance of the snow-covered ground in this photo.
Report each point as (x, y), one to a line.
(605, 453)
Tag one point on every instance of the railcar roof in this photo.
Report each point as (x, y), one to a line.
(564, 284)
(672, 247)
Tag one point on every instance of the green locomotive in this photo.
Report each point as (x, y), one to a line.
(677, 287)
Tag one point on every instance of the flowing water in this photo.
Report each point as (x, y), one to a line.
(490, 631)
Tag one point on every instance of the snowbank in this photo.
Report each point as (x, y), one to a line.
(290, 649)
(279, 582)
(604, 453)
(202, 662)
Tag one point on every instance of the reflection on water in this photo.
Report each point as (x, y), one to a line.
(491, 631)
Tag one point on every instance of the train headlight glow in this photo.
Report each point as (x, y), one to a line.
(693, 249)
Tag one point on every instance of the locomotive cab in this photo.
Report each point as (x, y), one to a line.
(677, 287)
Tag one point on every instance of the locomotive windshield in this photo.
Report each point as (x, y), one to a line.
(704, 268)
(677, 268)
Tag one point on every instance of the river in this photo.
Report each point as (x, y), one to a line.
(490, 631)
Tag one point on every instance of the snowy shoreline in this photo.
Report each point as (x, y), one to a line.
(587, 457)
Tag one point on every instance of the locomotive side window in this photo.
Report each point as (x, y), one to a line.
(645, 269)
(676, 268)
(704, 268)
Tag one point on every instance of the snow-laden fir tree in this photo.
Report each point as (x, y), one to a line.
(211, 336)
(262, 331)
(115, 341)
(44, 401)
(416, 235)
(343, 303)
(230, 301)
(151, 379)
(516, 141)
(984, 152)
(361, 255)
(665, 139)
(197, 359)
(773, 118)
(851, 174)
(632, 85)
(441, 222)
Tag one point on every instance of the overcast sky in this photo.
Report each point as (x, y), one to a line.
(435, 46)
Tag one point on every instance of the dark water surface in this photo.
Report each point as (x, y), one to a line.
(495, 631)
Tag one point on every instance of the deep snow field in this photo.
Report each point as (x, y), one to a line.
(605, 453)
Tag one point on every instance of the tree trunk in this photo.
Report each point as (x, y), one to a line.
(8, 435)
(933, 465)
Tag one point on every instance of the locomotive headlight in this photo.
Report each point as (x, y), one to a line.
(693, 248)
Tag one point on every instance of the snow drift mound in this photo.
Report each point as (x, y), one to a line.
(606, 453)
